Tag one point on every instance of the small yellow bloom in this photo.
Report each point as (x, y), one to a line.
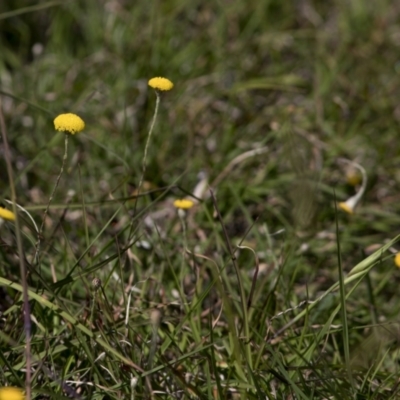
(8, 215)
(69, 123)
(346, 207)
(397, 260)
(183, 204)
(160, 83)
(353, 178)
(11, 393)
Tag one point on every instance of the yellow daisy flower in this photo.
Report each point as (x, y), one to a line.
(11, 393)
(397, 260)
(183, 204)
(160, 83)
(357, 172)
(8, 215)
(69, 123)
(345, 206)
(353, 178)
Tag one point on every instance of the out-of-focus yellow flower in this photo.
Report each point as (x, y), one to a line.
(397, 260)
(11, 393)
(160, 83)
(346, 206)
(183, 204)
(8, 215)
(69, 123)
(353, 177)
(358, 175)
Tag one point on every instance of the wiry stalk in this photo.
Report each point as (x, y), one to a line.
(51, 198)
(148, 142)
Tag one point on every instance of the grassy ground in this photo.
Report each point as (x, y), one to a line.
(269, 96)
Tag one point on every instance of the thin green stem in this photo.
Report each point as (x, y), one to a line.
(195, 330)
(51, 199)
(342, 292)
(153, 122)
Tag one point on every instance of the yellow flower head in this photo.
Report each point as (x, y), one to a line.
(353, 177)
(69, 123)
(346, 207)
(8, 215)
(397, 260)
(183, 204)
(162, 84)
(11, 393)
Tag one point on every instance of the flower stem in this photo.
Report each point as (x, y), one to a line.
(46, 211)
(148, 142)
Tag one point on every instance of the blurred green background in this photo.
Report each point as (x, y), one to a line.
(246, 74)
(312, 80)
